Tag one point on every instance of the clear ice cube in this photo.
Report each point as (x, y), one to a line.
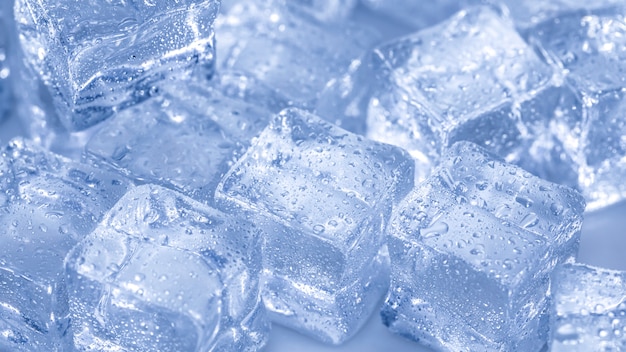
(474, 78)
(186, 138)
(317, 187)
(96, 57)
(588, 309)
(324, 10)
(591, 47)
(48, 203)
(163, 272)
(472, 249)
(290, 54)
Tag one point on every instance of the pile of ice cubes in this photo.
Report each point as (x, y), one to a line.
(190, 172)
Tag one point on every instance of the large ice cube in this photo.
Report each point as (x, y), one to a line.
(98, 56)
(474, 78)
(186, 139)
(588, 309)
(324, 196)
(162, 272)
(47, 204)
(591, 47)
(290, 54)
(472, 249)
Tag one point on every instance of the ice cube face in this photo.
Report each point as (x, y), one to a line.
(418, 14)
(324, 10)
(473, 78)
(591, 46)
(271, 45)
(96, 57)
(186, 139)
(313, 185)
(47, 203)
(163, 272)
(472, 249)
(588, 309)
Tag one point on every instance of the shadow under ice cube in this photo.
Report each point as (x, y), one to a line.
(47, 204)
(588, 310)
(323, 196)
(99, 56)
(163, 272)
(472, 249)
(473, 78)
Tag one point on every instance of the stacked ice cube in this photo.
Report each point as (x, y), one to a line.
(279, 162)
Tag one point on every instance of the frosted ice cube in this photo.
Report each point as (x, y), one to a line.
(316, 187)
(591, 47)
(96, 57)
(290, 54)
(474, 78)
(472, 249)
(186, 139)
(162, 272)
(588, 309)
(47, 204)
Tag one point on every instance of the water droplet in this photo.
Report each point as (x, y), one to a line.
(437, 229)
(478, 250)
(566, 332)
(529, 220)
(317, 229)
(139, 277)
(526, 202)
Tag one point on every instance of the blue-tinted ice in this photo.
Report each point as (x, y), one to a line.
(324, 10)
(591, 47)
(47, 204)
(418, 14)
(588, 310)
(6, 19)
(323, 196)
(474, 78)
(293, 55)
(186, 138)
(162, 272)
(99, 56)
(472, 249)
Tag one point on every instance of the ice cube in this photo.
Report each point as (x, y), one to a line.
(324, 10)
(47, 204)
(290, 54)
(472, 249)
(588, 309)
(474, 78)
(324, 196)
(186, 138)
(6, 19)
(418, 14)
(96, 57)
(163, 272)
(591, 47)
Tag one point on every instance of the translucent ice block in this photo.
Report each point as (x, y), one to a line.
(162, 272)
(418, 14)
(47, 204)
(474, 78)
(186, 139)
(293, 55)
(99, 56)
(324, 10)
(6, 18)
(472, 249)
(324, 196)
(588, 309)
(591, 47)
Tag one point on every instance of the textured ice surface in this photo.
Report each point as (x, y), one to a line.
(47, 204)
(472, 249)
(5, 20)
(293, 55)
(162, 272)
(418, 14)
(591, 47)
(323, 195)
(186, 138)
(588, 309)
(473, 78)
(96, 57)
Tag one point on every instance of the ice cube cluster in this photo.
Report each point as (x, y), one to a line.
(181, 175)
